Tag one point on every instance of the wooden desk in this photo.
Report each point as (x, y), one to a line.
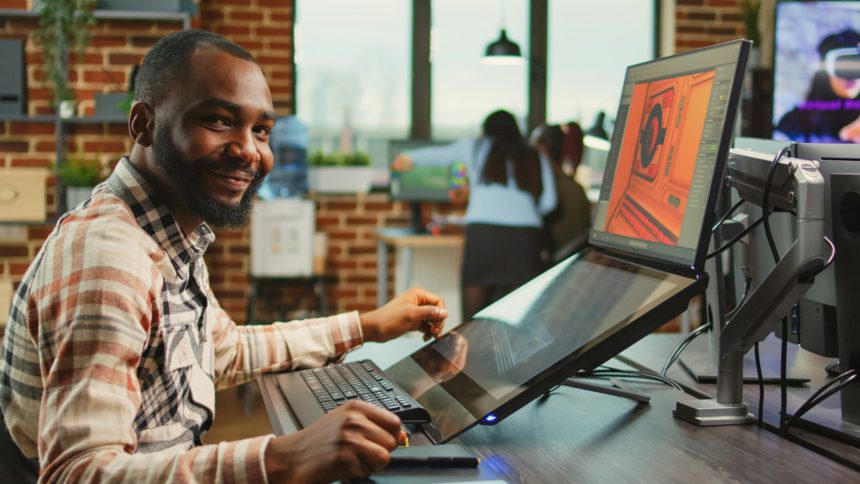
(581, 436)
(430, 261)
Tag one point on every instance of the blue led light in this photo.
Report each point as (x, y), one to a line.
(491, 418)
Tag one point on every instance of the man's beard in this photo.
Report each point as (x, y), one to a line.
(188, 182)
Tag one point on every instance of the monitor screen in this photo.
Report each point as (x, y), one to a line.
(667, 154)
(816, 96)
(420, 183)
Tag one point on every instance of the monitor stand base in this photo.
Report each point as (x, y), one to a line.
(617, 389)
(709, 413)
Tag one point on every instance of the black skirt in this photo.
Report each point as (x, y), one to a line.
(496, 255)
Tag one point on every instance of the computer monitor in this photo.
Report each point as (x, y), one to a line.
(824, 320)
(419, 184)
(816, 71)
(669, 145)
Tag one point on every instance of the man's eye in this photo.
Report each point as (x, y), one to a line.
(216, 120)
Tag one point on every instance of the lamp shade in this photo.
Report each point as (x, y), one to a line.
(503, 50)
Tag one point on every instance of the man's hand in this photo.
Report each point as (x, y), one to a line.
(851, 132)
(353, 441)
(414, 310)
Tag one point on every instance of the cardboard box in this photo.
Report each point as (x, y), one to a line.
(22, 194)
(282, 233)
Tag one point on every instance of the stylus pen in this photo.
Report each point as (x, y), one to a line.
(397, 461)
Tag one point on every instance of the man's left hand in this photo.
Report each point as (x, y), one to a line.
(414, 310)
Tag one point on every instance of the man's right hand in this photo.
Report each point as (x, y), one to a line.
(353, 441)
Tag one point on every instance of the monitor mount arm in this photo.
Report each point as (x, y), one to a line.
(796, 186)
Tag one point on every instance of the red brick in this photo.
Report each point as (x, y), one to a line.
(31, 163)
(31, 128)
(104, 147)
(146, 41)
(14, 251)
(240, 250)
(14, 146)
(99, 41)
(124, 59)
(246, 15)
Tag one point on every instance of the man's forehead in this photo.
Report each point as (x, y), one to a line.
(213, 74)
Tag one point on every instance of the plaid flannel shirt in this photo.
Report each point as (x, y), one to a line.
(115, 345)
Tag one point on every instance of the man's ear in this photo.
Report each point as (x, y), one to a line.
(141, 123)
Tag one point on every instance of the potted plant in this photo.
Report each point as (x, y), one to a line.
(750, 10)
(339, 172)
(79, 175)
(62, 23)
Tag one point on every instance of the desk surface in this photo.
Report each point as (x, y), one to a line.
(581, 436)
(407, 238)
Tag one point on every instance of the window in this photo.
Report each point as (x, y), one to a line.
(465, 91)
(352, 73)
(589, 47)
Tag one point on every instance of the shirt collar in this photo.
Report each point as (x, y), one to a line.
(156, 220)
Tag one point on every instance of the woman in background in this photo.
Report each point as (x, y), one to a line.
(566, 226)
(510, 189)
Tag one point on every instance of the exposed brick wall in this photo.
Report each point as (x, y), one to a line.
(699, 23)
(264, 28)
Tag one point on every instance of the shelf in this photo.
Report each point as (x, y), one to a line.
(22, 118)
(183, 17)
(76, 120)
(96, 120)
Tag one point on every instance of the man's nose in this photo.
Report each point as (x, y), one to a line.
(244, 148)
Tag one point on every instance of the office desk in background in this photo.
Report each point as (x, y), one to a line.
(585, 437)
(421, 260)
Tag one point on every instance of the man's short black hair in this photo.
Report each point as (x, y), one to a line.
(166, 64)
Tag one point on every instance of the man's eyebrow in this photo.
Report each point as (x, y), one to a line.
(234, 108)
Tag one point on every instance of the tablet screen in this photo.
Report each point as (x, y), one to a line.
(545, 327)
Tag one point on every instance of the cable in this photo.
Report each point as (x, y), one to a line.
(821, 395)
(766, 211)
(727, 215)
(611, 372)
(760, 387)
(744, 296)
(736, 238)
(683, 345)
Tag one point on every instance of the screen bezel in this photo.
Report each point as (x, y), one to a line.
(596, 351)
(697, 264)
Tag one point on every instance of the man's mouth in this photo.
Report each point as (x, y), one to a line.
(233, 180)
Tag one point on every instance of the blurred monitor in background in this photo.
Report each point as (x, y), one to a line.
(817, 72)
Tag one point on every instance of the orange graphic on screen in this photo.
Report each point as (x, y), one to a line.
(657, 157)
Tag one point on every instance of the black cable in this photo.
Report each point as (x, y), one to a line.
(744, 296)
(766, 211)
(683, 345)
(735, 239)
(727, 215)
(633, 374)
(844, 380)
(760, 387)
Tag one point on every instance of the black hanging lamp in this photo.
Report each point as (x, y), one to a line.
(503, 51)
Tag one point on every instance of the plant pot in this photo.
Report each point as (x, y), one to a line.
(67, 109)
(340, 179)
(76, 195)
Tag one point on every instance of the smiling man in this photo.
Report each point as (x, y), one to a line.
(115, 342)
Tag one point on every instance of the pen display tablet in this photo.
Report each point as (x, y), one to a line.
(574, 316)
